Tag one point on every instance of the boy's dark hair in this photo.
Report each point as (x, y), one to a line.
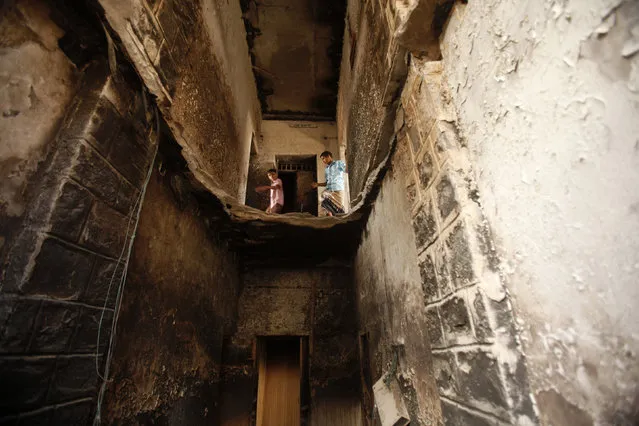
(326, 154)
(271, 171)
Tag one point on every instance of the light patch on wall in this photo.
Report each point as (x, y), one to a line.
(390, 404)
(36, 85)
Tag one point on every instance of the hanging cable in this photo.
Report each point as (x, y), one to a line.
(135, 210)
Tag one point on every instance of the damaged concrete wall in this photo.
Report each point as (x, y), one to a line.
(193, 56)
(546, 95)
(317, 303)
(58, 271)
(391, 301)
(179, 302)
(288, 138)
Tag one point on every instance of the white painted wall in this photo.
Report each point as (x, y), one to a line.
(550, 111)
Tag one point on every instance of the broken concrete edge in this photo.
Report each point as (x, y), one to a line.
(240, 213)
(135, 51)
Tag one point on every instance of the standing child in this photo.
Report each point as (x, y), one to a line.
(277, 192)
(333, 196)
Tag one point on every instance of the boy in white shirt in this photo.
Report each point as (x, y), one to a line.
(277, 192)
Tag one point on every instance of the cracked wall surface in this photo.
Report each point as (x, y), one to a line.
(546, 95)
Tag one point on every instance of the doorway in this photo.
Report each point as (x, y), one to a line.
(298, 172)
(282, 381)
(289, 182)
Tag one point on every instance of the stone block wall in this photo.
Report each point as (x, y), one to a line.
(54, 296)
(477, 360)
(546, 99)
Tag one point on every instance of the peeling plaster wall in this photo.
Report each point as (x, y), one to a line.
(546, 97)
(478, 364)
(37, 84)
(179, 301)
(289, 138)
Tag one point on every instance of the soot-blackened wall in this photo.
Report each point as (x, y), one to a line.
(69, 248)
(179, 301)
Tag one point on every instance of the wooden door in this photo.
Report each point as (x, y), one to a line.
(278, 397)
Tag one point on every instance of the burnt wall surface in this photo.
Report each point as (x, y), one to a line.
(179, 302)
(390, 302)
(317, 303)
(295, 48)
(56, 273)
(478, 363)
(192, 56)
(380, 38)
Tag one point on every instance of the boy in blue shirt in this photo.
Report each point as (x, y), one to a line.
(334, 194)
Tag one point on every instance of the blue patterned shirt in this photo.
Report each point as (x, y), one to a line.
(335, 175)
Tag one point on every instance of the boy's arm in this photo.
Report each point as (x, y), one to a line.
(268, 187)
(315, 184)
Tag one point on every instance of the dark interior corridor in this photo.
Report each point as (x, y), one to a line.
(485, 273)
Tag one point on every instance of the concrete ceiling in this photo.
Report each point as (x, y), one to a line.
(295, 48)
